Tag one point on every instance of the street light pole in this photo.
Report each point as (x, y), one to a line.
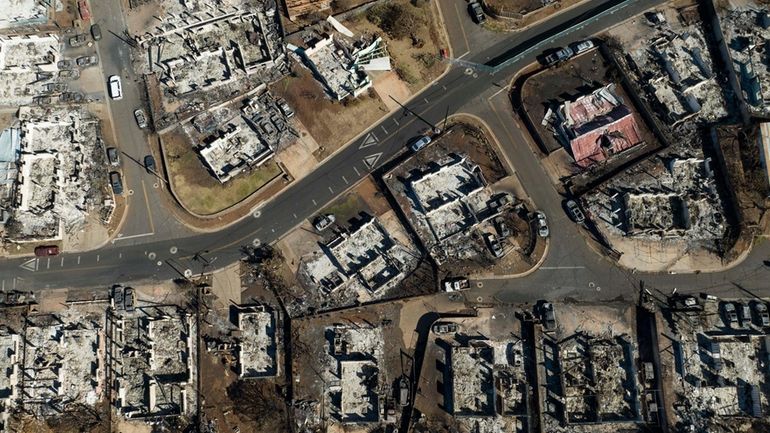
(434, 128)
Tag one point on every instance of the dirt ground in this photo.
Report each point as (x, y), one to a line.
(332, 124)
(201, 192)
(516, 15)
(415, 59)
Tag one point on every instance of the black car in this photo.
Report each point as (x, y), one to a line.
(476, 12)
(116, 182)
(113, 156)
(96, 32)
(149, 163)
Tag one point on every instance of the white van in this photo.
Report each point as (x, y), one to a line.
(116, 89)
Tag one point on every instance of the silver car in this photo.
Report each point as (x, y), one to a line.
(419, 144)
(542, 224)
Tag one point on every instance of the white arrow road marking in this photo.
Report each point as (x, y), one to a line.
(370, 140)
(372, 159)
(30, 265)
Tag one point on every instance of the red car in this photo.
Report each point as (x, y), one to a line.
(46, 250)
(85, 14)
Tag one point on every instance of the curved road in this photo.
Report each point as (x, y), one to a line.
(571, 269)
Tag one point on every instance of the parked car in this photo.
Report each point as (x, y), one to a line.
(583, 46)
(575, 212)
(548, 316)
(117, 297)
(456, 284)
(476, 12)
(763, 318)
(420, 143)
(78, 40)
(745, 315)
(69, 74)
(86, 61)
(149, 163)
(96, 32)
(117, 182)
(65, 64)
(494, 245)
(445, 328)
(542, 224)
(116, 89)
(558, 56)
(501, 227)
(141, 119)
(730, 314)
(113, 156)
(322, 222)
(46, 250)
(403, 391)
(128, 299)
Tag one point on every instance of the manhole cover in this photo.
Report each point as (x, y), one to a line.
(152, 256)
(479, 284)
(173, 250)
(256, 214)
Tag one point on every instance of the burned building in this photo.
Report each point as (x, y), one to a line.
(365, 259)
(243, 139)
(257, 346)
(61, 175)
(153, 361)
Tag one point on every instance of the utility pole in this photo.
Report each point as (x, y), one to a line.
(434, 128)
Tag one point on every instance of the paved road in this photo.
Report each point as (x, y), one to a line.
(571, 269)
(145, 219)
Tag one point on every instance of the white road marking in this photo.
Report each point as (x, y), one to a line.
(98, 257)
(331, 190)
(120, 238)
(395, 121)
(345, 180)
(78, 259)
(314, 203)
(383, 129)
(295, 215)
(561, 267)
(369, 140)
(426, 100)
(62, 263)
(48, 264)
(358, 173)
(30, 265)
(371, 160)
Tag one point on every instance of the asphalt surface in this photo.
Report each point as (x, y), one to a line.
(572, 269)
(144, 220)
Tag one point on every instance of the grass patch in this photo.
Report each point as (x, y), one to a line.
(198, 190)
(346, 208)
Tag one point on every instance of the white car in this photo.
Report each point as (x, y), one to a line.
(419, 144)
(116, 89)
(582, 47)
